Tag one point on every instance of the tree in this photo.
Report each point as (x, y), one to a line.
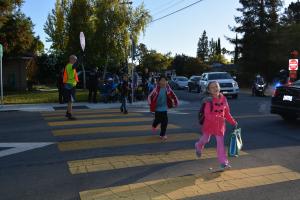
(7, 8)
(187, 66)
(202, 50)
(17, 36)
(218, 47)
(57, 25)
(257, 23)
(236, 51)
(155, 61)
(292, 14)
(116, 26)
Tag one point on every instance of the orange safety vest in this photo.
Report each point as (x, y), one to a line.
(65, 78)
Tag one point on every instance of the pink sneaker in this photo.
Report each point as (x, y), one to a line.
(154, 130)
(164, 138)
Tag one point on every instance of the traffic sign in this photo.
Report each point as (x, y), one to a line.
(293, 64)
(82, 40)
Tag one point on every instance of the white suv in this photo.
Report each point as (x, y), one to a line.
(228, 85)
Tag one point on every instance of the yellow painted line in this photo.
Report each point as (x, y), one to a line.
(254, 116)
(89, 116)
(123, 141)
(100, 121)
(195, 185)
(119, 162)
(83, 111)
(108, 129)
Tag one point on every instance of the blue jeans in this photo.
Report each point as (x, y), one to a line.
(123, 105)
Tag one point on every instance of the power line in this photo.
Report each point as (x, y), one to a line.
(167, 8)
(181, 9)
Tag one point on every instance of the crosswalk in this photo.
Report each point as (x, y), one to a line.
(97, 129)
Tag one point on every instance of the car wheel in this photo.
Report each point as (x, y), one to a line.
(289, 117)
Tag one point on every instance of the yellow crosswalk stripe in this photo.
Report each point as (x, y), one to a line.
(123, 141)
(109, 129)
(126, 161)
(195, 185)
(99, 121)
(88, 116)
(83, 111)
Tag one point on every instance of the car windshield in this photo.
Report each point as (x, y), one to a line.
(260, 80)
(181, 79)
(297, 83)
(218, 76)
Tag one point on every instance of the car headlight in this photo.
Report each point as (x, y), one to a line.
(235, 84)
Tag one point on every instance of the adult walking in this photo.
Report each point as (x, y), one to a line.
(70, 81)
(93, 85)
(60, 86)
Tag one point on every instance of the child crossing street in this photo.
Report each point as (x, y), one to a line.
(160, 99)
(216, 111)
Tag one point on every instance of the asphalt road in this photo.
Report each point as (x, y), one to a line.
(105, 155)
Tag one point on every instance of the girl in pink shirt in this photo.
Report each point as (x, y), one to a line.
(216, 111)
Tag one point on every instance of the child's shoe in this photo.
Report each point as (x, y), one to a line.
(154, 129)
(163, 138)
(225, 167)
(198, 153)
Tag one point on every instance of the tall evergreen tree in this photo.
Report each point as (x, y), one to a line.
(258, 19)
(291, 14)
(202, 50)
(218, 47)
(236, 51)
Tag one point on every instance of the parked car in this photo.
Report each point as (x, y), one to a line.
(194, 83)
(228, 85)
(179, 82)
(286, 101)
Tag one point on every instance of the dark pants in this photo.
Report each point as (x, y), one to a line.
(162, 119)
(93, 95)
(123, 105)
(61, 95)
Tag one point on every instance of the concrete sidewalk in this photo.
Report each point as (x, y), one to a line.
(55, 106)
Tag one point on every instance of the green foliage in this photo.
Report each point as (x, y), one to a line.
(7, 7)
(155, 62)
(202, 50)
(258, 24)
(56, 26)
(17, 36)
(108, 26)
(187, 66)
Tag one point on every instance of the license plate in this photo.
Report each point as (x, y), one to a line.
(224, 92)
(287, 98)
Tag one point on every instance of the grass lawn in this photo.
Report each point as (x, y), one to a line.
(34, 97)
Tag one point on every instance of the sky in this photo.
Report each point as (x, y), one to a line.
(178, 33)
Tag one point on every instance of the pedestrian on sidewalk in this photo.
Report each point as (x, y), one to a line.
(70, 81)
(93, 85)
(160, 99)
(215, 111)
(124, 89)
(60, 86)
